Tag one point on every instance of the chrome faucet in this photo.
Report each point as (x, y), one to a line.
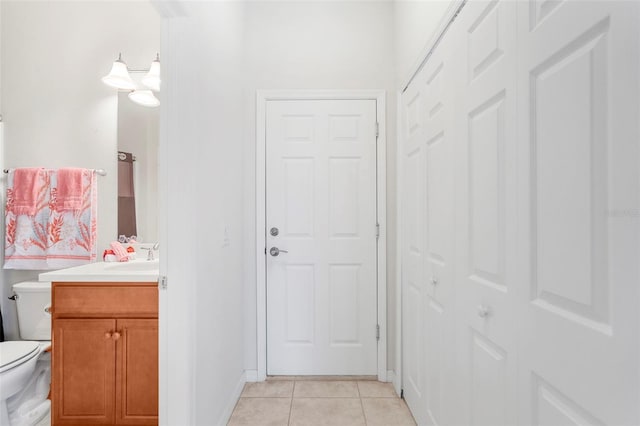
(150, 250)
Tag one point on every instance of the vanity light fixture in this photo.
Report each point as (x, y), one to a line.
(120, 78)
(144, 98)
(152, 79)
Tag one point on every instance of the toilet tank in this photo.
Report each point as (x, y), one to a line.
(32, 303)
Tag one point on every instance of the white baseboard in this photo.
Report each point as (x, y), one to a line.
(391, 375)
(251, 375)
(233, 400)
(392, 378)
(395, 379)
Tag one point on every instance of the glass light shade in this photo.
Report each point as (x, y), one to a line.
(144, 98)
(152, 78)
(119, 77)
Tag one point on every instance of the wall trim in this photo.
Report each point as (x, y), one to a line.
(391, 375)
(394, 380)
(233, 400)
(262, 96)
(397, 383)
(399, 241)
(251, 375)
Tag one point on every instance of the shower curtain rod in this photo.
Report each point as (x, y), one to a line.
(101, 172)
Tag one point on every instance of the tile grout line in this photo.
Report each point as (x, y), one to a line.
(364, 416)
(293, 390)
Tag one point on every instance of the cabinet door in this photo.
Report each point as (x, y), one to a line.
(83, 371)
(137, 372)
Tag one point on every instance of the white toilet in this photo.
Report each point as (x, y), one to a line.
(25, 367)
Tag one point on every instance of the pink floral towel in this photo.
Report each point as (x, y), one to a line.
(29, 190)
(51, 237)
(70, 195)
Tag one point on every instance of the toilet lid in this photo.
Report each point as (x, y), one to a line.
(14, 353)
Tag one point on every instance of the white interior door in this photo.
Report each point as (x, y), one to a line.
(321, 198)
(579, 187)
(546, 153)
(438, 308)
(427, 267)
(414, 225)
(486, 231)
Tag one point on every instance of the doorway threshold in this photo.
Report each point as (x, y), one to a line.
(323, 378)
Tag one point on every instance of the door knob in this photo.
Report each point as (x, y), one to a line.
(274, 251)
(116, 335)
(434, 281)
(107, 335)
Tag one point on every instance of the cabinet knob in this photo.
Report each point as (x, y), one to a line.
(116, 335)
(107, 335)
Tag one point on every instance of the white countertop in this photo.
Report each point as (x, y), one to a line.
(132, 271)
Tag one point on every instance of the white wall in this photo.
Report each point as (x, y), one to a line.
(416, 24)
(56, 110)
(202, 164)
(316, 45)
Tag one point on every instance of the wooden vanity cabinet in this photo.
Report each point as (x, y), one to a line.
(105, 354)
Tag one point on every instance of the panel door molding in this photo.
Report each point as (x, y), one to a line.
(539, 104)
(485, 250)
(577, 174)
(321, 197)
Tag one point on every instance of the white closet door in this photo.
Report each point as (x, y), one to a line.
(321, 198)
(428, 240)
(439, 309)
(485, 229)
(578, 226)
(414, 286)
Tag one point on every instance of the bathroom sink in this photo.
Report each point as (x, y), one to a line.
(139, 270)
(133, 266)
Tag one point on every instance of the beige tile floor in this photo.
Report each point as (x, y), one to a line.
(303, 402)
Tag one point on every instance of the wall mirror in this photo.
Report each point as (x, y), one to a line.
(137, 170)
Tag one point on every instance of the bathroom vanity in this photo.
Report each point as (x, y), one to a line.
(105, 344)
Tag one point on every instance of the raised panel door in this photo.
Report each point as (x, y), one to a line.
(438, 307)
(578, 212)
(321, 197)
(414, 225)
(485, 252)
(83, 364)
(137, 372)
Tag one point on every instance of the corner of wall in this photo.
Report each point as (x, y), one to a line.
(230, 405)
(251, 375)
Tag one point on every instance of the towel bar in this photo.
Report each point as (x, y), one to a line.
(101, 172)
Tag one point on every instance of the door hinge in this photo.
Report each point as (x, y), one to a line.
(377, 231)
(377, 130)
(377, 331)
(162, 282)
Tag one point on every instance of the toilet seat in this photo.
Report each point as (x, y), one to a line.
(15, 353)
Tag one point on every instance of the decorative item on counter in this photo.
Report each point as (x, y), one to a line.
(120, 252)
(131, 251)
(128, 240)
(109, 256)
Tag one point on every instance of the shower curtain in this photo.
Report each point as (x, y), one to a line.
(126, 195)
